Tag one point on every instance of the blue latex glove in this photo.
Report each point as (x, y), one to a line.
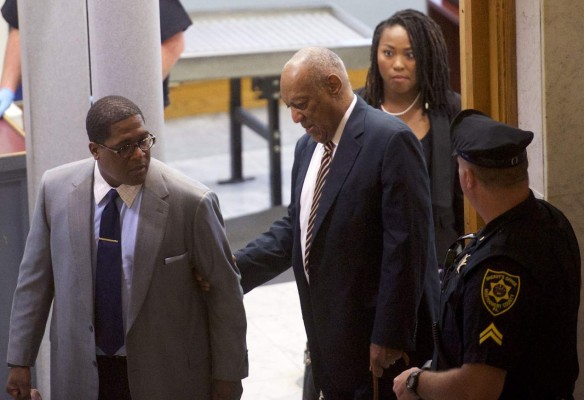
(6, 98)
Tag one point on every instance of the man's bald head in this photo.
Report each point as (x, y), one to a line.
(319, 63)
(315, 86)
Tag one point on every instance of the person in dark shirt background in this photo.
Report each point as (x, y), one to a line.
(174, 20)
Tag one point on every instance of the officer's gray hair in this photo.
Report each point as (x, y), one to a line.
(320, 62)
(502, 177)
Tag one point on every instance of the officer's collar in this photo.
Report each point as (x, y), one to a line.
(514, 213)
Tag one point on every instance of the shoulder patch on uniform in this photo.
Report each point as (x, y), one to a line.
(491, 333)
(499, 291)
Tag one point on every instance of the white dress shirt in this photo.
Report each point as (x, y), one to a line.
(129, 205)
(312, 173)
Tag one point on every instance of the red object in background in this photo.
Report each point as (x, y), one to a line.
(11, 139)
(445, 13)
(445, 8)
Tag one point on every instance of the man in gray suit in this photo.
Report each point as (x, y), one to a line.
(176, 342)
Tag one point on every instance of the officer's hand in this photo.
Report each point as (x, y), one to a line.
(18, 383)
(399, 385)
(381, 357)
(226, 390)
(6, 98)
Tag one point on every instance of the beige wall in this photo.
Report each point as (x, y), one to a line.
(550, 55)
(529, 66)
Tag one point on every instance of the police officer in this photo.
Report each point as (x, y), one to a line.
(509, 302)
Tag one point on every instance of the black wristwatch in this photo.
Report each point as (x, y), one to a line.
(412, 382)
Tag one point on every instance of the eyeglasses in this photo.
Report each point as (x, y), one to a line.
(127, 150)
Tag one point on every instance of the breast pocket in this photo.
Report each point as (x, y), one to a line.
(176, 272)
(173, 287)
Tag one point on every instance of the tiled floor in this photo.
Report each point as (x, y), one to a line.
(199, 147)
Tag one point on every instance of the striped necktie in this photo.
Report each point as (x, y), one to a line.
(323, 171)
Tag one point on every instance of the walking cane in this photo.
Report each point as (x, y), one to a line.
(376, 380)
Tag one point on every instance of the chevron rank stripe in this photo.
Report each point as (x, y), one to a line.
(491, 332)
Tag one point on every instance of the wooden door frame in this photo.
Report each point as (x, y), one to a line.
(488, 67)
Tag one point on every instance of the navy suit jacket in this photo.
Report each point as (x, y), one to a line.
(372, 262)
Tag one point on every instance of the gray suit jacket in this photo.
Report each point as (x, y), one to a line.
(177, 338)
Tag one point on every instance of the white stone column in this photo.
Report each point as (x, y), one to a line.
(55, 75)
(124, 50)
(55, 78)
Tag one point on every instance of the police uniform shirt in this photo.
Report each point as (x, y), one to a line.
(10, 13)
(173, 19)
(506, 305)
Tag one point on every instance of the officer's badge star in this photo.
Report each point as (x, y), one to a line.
(462, 263)
(499, 291)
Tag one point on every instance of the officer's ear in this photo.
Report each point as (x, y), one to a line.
(470, 178)
(467, 176)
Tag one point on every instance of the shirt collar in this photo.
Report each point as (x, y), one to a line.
(101, 188)
(341, 127)
(520, 210)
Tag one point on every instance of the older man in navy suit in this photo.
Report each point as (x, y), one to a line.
(358, 233)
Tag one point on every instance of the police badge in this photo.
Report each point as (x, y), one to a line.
(499, 291)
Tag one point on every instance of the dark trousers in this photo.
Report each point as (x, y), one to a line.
(308, 389)
(365, 390)
(113, 378)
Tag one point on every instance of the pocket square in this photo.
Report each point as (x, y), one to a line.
(170, 260)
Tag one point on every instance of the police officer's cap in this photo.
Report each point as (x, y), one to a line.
(485, 142)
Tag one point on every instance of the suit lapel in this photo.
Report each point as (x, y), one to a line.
(151, 230)
(80, 219)
(343, 161)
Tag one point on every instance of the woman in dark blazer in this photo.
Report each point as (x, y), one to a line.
(408, 78)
